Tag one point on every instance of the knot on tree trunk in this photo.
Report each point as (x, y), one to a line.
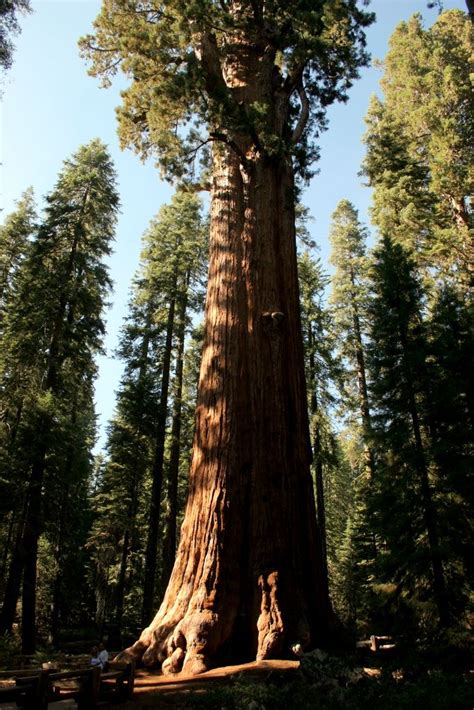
(272, 321)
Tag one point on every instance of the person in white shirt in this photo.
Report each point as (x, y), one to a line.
(103, 657)
(94, 659)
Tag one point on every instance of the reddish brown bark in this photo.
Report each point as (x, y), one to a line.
(248, 577)
(248, 580)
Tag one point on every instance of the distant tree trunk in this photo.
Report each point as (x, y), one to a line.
(59, 547)
(58, 580)
(33, 521)
(30, 549)
(6, 549)
(24, 558)
(248, 579)
(362, 388)
(133, 491)
(470, 9)
(157, 469)
(169, 544)
(13, 581)
(25, 554)
(317, 448)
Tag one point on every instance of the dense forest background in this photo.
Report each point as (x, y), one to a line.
(87, 541)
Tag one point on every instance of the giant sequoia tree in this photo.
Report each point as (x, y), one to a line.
(251, 80)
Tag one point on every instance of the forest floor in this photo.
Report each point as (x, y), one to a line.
(320, 680)
(393, 679)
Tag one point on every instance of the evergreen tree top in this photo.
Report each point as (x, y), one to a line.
(206, 71)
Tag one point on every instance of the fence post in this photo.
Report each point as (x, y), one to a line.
(374, 643)
(89, 690)
(37, 696)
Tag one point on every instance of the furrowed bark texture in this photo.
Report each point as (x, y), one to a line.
(248, 579)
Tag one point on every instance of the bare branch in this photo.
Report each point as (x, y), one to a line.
(304, 115)
(294, 79)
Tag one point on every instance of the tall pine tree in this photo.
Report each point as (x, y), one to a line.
(53, 329)
(404, 493)
(419, 142)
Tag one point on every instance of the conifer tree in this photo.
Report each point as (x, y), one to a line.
(419, 142)
(166, 292)
(15, 234)
(9, 26)
(450, 336)
(323, 374)
(53, 330)
(404, 495)
(252, 81)
(349, 299)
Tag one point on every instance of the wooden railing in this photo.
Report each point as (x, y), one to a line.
(34, 689)
(376, 643)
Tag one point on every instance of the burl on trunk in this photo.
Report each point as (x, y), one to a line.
(248, 581)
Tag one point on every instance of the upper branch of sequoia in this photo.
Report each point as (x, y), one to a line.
(233, 69)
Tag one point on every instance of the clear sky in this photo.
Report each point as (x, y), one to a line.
(50, 106)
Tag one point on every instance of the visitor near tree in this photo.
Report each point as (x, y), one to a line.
(103, 657)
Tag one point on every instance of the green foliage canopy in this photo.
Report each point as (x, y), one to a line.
(185, 59)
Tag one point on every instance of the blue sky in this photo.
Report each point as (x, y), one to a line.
(50, 106)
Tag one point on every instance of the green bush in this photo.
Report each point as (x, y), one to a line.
(329, 682)
(10, 651)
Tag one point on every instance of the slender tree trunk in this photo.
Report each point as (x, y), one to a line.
(13, 582)
(11, 526)
(120, 593)
(59, 551)
(134, 483)
(362, 389)
(157, 470)
(58, 605)
(317, 449)
(30, 551)
(248, 579)
(169, 544)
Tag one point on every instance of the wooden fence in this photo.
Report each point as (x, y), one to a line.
(34, 689)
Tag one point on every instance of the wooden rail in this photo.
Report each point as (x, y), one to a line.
(375, 643)
(34, 689)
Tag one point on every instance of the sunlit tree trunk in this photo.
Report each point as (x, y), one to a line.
(248, 577)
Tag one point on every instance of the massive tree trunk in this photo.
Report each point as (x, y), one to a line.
(248, 580)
